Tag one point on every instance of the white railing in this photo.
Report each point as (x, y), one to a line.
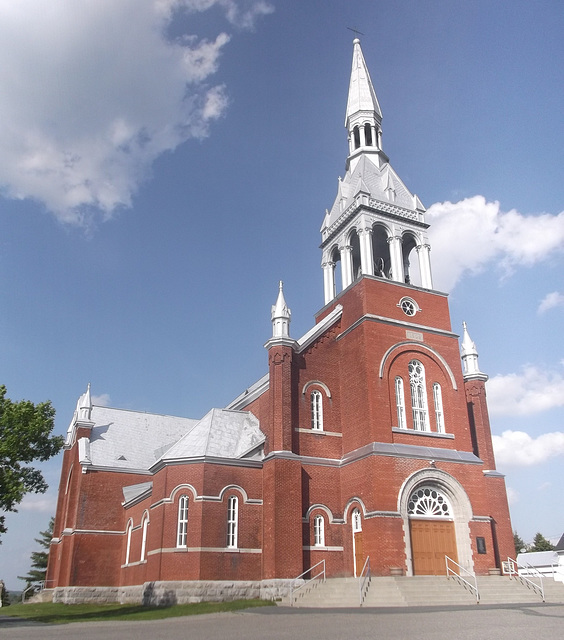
(527, 570)
(471, 583)
(364, 580)
(320, 575)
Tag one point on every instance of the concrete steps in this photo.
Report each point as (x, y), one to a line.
(422, 591)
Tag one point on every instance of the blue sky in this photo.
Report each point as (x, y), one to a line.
(164, 163)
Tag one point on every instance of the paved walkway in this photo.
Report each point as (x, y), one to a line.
(539, 622)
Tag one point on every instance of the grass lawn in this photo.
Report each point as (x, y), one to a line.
(64, 613)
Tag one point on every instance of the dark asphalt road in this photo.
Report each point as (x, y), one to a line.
(541, 622)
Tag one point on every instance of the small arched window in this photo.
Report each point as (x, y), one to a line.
(316, 411)
(356, 135)
(232, 521)
(182, 529)
(438, 402)
(128, 543)
(400, 403)
(418, 396)
(368, 134)
(319, 531)
(144, 538)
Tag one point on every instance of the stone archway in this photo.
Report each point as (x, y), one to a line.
(436, 512)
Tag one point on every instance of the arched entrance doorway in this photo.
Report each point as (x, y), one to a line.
(436, 513)
(432, 530)
(358, 547)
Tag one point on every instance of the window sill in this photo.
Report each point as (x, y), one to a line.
(431, 434)
(319, 432)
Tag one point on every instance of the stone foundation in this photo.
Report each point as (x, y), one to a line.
(164, 593)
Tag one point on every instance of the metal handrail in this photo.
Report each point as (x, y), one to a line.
(294, 589)
(364, 580)
(514, 567)
(469, 585)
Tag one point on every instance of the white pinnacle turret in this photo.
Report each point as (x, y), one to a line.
(84, 405)
(469, 355)
(280, 316)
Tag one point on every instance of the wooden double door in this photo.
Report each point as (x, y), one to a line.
(431, 541)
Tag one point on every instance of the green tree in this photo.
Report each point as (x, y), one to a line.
(25, 436)
(540, 543)
(519, 543)
(39, 559)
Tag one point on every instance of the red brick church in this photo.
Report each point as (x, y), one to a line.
(367, 436)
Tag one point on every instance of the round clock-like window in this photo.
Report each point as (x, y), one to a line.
(408, 306)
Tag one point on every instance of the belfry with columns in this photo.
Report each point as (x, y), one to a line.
(367, 438)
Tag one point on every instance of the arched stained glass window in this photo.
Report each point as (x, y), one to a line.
(418, 396)
(316, 411)
(128, 544)
(232, 521)
(438, 402)
(182, 530)
(400, 403)
(428, 502)
(319, 531)
(144, 537)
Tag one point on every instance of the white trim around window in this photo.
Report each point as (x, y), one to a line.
(319, 531)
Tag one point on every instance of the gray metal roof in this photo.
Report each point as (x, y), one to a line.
(132, 439)
(221, 433)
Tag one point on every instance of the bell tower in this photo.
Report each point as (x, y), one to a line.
(376, 225)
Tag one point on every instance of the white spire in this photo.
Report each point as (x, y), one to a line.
(280, 316)
(469, 355)
(363, 118)
(362, 97)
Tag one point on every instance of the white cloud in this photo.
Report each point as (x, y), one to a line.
(467, 236)
(518, 449)
(241, 13)
(103, 400)
(39, 503)
(512, 496)
(93, 92)
(530, 391)
(550, 301)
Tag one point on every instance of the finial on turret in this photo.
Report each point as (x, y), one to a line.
(280, 315)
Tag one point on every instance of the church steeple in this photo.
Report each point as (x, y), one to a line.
(376, 225)
(363, 118)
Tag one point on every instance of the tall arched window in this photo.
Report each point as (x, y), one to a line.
(418, 396)
(319, 531)
(232, 521)
(144, 538)
(128, 543)
(400, 403)
(182, 529)
(316, 411)
(438, 402)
